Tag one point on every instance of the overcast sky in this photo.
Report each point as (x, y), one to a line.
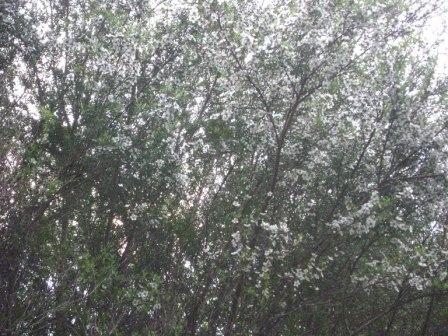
(436, 33)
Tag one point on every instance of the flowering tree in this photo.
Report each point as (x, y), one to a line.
(222, 168)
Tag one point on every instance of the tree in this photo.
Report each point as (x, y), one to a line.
(222, 168)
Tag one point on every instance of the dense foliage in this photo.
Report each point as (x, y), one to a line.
(222, 168)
